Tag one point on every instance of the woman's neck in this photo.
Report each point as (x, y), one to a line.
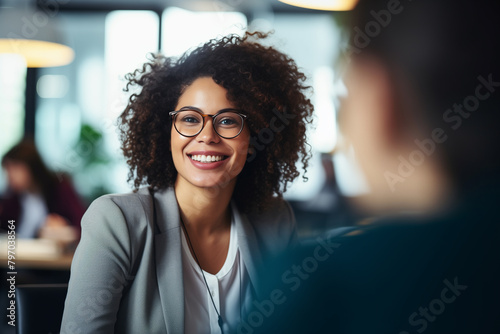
(204, 210)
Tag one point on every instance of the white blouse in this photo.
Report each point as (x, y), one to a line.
(33, 214)
(230, 289)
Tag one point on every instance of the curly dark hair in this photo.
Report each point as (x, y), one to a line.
(263, 82)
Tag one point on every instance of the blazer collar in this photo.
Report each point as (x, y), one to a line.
(168, 256)
(168, 260)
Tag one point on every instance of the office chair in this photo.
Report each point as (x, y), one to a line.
(40, 308)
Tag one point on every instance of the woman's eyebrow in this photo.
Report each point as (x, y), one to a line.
(191, 108)
(201, 111)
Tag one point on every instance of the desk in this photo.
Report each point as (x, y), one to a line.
(36, 254)
(60, 263)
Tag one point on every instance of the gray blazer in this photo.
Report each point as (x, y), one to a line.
(126, 275)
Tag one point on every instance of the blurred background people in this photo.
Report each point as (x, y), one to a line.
(422, 116)
(41, 202)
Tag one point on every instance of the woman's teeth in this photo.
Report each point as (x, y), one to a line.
(207, 158)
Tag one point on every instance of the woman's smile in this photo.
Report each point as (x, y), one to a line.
(207, 159)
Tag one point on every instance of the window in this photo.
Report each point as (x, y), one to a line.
(12, 92)
(183, 29)
(79, 103)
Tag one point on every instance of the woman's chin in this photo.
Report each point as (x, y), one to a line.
(212, 183)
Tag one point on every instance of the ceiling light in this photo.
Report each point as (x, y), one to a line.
(34, 35)
(333, 5)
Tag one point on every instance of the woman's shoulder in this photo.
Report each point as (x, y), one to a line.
(123, 200)
(129, 206)
(274, 225)
(276, 218)
(276, 208)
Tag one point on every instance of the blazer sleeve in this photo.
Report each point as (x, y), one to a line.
(99, 272)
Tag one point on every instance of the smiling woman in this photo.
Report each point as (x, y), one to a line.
(181, 254)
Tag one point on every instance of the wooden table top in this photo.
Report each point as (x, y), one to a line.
(33, 254)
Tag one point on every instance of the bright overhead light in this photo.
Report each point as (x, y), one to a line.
(38, 53)
(33, 35)
(333, 5)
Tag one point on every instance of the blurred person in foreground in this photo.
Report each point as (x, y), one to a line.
(41, 203)
(422, 114)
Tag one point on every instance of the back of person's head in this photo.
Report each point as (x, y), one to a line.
(441, 61)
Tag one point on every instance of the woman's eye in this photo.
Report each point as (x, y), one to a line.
(190, 119)
(228, 121)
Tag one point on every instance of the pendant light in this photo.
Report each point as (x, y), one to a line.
(32, 33)
(332, 5)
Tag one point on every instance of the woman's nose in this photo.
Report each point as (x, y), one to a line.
(208, 134)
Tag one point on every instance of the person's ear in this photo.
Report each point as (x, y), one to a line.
(367, 120)
(377, 122)
(371, 102)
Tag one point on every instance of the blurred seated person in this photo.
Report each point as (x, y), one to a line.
(422, 114)
(41, 203)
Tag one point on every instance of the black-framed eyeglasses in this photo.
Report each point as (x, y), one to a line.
(190, 121)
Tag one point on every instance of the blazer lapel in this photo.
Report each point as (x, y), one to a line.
(168, 259)
(249, 247)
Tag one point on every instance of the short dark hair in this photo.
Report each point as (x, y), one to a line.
(443, 50)
(263, 82)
